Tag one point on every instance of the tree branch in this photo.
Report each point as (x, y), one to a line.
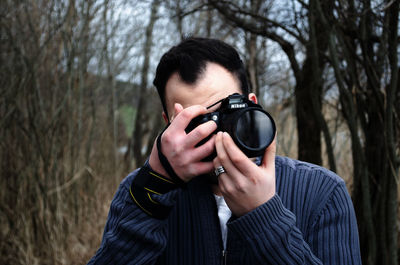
(252, 27)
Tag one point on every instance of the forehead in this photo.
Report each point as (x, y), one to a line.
(214, 84)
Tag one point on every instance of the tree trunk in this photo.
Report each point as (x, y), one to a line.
(252, 63)
(141, 113)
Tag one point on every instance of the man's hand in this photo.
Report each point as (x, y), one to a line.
(245, 186)
(179, 147)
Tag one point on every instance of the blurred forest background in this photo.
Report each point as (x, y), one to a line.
(78, 110)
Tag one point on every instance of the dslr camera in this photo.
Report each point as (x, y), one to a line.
(251, 127)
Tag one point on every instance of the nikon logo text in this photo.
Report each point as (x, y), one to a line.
(238, 106)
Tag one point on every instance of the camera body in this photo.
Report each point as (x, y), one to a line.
(251, 128)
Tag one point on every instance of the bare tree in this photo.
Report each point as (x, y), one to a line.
(363, 46)
(52, 140)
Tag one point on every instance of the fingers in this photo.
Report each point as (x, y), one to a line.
(200, 168)
(177, 109)
(238, 158)
(201, 132)
(204, 150)
(224, 159)
(224, 182)
(184, 116)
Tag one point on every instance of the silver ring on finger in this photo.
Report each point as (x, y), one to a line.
(219, 170)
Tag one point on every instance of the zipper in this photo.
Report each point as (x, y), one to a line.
(224, 256)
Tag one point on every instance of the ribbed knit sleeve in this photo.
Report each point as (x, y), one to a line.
(331, 237)
(130, 235)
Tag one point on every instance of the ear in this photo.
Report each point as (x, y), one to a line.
(165, 117)
(253, 97)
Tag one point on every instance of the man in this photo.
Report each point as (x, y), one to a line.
(272, 211)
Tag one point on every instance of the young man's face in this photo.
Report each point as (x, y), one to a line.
(214, 84)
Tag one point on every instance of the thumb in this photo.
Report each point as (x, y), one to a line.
(269, 155)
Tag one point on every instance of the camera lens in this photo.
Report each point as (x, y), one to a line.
(255, 130)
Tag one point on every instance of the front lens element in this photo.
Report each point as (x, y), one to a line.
(255, 129)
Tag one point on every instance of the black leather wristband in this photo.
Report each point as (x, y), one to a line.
(144, 201)
(153, 181)
(145, 185)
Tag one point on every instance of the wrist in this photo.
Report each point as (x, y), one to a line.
(155, 163)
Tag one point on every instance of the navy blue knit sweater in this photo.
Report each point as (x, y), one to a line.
(310, 220)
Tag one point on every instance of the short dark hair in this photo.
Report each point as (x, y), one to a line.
(189, 59)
